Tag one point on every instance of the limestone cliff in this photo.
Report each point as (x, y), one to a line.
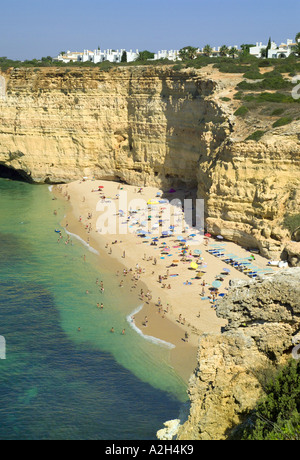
(252, 187)
(142, 125)
(263, 320)
(156, 126)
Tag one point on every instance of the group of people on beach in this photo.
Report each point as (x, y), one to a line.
(136, 274)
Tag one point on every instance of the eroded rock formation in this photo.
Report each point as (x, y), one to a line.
(233, 367)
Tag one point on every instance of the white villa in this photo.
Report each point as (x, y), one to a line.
(284, 50)
(97, 56)
(172, 55)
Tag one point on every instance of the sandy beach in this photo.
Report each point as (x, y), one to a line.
(179, 301)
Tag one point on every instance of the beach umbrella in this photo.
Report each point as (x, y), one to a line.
(220, 237)
(216, 284)
(208, 235)
(180, 238)
(172, 190)
(194, 266)
(198, 252)
(227, 270)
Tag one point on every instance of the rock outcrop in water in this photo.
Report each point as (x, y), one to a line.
(233, 367)
(155, 126)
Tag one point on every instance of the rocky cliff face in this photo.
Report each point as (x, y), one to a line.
(263, 320)
(253, 186)
(140, 125)
(155, 126)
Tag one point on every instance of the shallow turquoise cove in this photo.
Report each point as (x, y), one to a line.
(57, 382)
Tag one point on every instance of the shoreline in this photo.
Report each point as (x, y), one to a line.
(183, 361)
(151, 338)
(176, 316)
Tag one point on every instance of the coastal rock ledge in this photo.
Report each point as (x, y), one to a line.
(233, 367)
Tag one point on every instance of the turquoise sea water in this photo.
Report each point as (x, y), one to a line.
(56, 382)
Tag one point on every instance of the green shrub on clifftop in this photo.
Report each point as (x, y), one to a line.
(277, 416)
(241, 111)
(256, 136)
(282, 122)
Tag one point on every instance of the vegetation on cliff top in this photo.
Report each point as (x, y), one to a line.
(265, 89)
(277, 416)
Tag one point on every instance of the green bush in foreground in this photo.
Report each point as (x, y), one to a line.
(282, 122)
(277, 416)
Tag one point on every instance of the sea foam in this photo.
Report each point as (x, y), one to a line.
(83, 242)
(146, 337)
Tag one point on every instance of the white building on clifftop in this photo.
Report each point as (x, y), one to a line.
(97, 56)
(172, 55)
(284, 50)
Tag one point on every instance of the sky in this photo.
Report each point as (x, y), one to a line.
(35, 28)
